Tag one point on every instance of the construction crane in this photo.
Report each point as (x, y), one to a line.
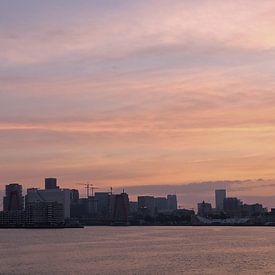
(88, 187)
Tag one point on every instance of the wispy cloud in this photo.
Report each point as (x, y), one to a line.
(137, 91)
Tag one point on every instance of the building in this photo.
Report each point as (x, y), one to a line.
(172, 202)
(146, 205)
(51, 183)
(253, 210)
(12, 218)
(161, 204)
(103, 204)
(44, 214)
(62, 196)
(80, 210)
(74, 196)
(204, 209)
(232, 207)
(133, 207)
(91, 206)
(13, 200)
(74, 203)
(220, 195)
(120, 208)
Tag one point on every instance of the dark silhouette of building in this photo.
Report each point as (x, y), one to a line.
(146, 205)
(232, 207)
(74, 203)
(253, 210)
(172, 202)
(161, 204)
(74, 196)
(58, 195)
(44, 214)
(92, 206)
(51, 183)
(120, 208)
(133, 207)
(13, 200)
(103, 204)
(204, 209)
(12, 218)
(220, 195)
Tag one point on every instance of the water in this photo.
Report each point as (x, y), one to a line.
(138, 250)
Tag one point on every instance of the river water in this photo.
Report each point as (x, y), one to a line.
(138, 250)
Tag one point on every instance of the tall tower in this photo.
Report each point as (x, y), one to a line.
(220, 195)
(13, 199)
(120, 208)
(172, 202)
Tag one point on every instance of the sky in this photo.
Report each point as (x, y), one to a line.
(133, 93)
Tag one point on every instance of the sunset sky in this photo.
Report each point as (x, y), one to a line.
(127, 93)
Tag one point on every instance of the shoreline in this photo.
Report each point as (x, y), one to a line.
(157, 225)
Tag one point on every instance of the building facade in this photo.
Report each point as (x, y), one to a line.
(62, 196)
(146, 205)
(172, 202)
(220, 195)
(13, 200)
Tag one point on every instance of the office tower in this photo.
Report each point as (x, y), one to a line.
(74, 196)
(51, 183)
(232, 207)
(103, 204)
(91, 206)
(172, 202)
(133, 206)
(74, 203)
(204, 209)
(146, 205)
(161, 204)
(13, 200)
(120, 208)
(220, 195)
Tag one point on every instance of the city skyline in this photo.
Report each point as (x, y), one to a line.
(188, 194)
(57, 207)
(137, 93)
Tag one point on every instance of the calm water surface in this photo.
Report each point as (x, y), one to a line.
(138, 250)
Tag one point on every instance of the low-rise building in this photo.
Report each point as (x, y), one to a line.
(204, 209)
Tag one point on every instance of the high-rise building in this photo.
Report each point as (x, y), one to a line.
(220, 195)
(232, 207)
(172, 202)
(51, 183)
(91, 206)
(74, 203)
(74, 196)
(133, 207)
(161, 204)
(13, 200)
(120, 208)
(204, 209)
(103, 204)
(146, 205)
